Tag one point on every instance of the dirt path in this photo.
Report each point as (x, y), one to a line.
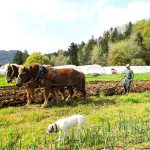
(9, 96)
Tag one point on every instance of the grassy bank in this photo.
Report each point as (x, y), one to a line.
(103, 77)
(116, 77)
(117, 122)
(3, 81)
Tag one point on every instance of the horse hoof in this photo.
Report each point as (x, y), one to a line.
(58, 104)
(28, 104)
(44, 106)
(67, 102)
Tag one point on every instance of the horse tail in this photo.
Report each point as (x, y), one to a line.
(83, 84)
(83, 81)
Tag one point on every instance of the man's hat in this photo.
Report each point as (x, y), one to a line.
(128, 65)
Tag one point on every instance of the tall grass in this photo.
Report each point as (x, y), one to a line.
(125, 135)
(116, 122)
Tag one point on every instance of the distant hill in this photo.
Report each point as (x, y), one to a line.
(6, 56)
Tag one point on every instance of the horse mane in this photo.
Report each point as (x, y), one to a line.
(36, 69)
(11, 65)
(33, 68)
(45, 68)
(6, 67)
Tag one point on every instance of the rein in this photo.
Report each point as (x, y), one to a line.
(32, 79)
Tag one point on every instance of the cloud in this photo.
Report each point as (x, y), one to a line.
(14, 32)
(111, 16)
(53, 10)
(85, 15)
(34, 43)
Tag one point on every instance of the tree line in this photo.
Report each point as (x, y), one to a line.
(117, 46)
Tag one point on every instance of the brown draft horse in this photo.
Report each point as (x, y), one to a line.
(52, 78)
(12, 73)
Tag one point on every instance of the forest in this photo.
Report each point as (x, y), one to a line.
(129, 43)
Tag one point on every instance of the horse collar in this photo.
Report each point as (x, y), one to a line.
(41, 72)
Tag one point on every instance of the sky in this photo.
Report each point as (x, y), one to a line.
(49, 25)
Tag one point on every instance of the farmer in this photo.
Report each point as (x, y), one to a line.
(129, 75)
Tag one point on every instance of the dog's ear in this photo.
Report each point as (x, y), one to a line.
(52, 128)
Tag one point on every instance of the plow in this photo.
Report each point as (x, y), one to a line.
(10, 96)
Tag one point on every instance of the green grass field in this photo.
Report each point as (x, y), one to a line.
(103, 77)
(111, 122)
(116, 122)
(116, 77)
(3, 81)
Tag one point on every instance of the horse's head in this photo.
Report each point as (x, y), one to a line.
(9, 73)
(23, 76)
(26, 74)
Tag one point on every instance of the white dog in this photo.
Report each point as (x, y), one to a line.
(62, 125)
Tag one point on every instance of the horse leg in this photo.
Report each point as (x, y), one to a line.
(84, 94)
(64, 92)
(30, 93)
(57, 95)
(46, 95)
(33, 97)
(32, 90)
(71, 92)
(29, 96)
(81, 88)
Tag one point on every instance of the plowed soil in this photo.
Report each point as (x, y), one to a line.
(10, 96)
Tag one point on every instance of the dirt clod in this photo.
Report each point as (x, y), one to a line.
(9, 96)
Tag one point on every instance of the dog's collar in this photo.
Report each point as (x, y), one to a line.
(56, 127)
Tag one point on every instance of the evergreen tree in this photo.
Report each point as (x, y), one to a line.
(73, 54)
(128, 30)
(86, 52)
(25, 55)
(103, 43)
(139, 39)
(18, 59)
(92, 41)
(80, 53)
(114, 35)
(111, 29)
(106, 35)
(81, 45)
